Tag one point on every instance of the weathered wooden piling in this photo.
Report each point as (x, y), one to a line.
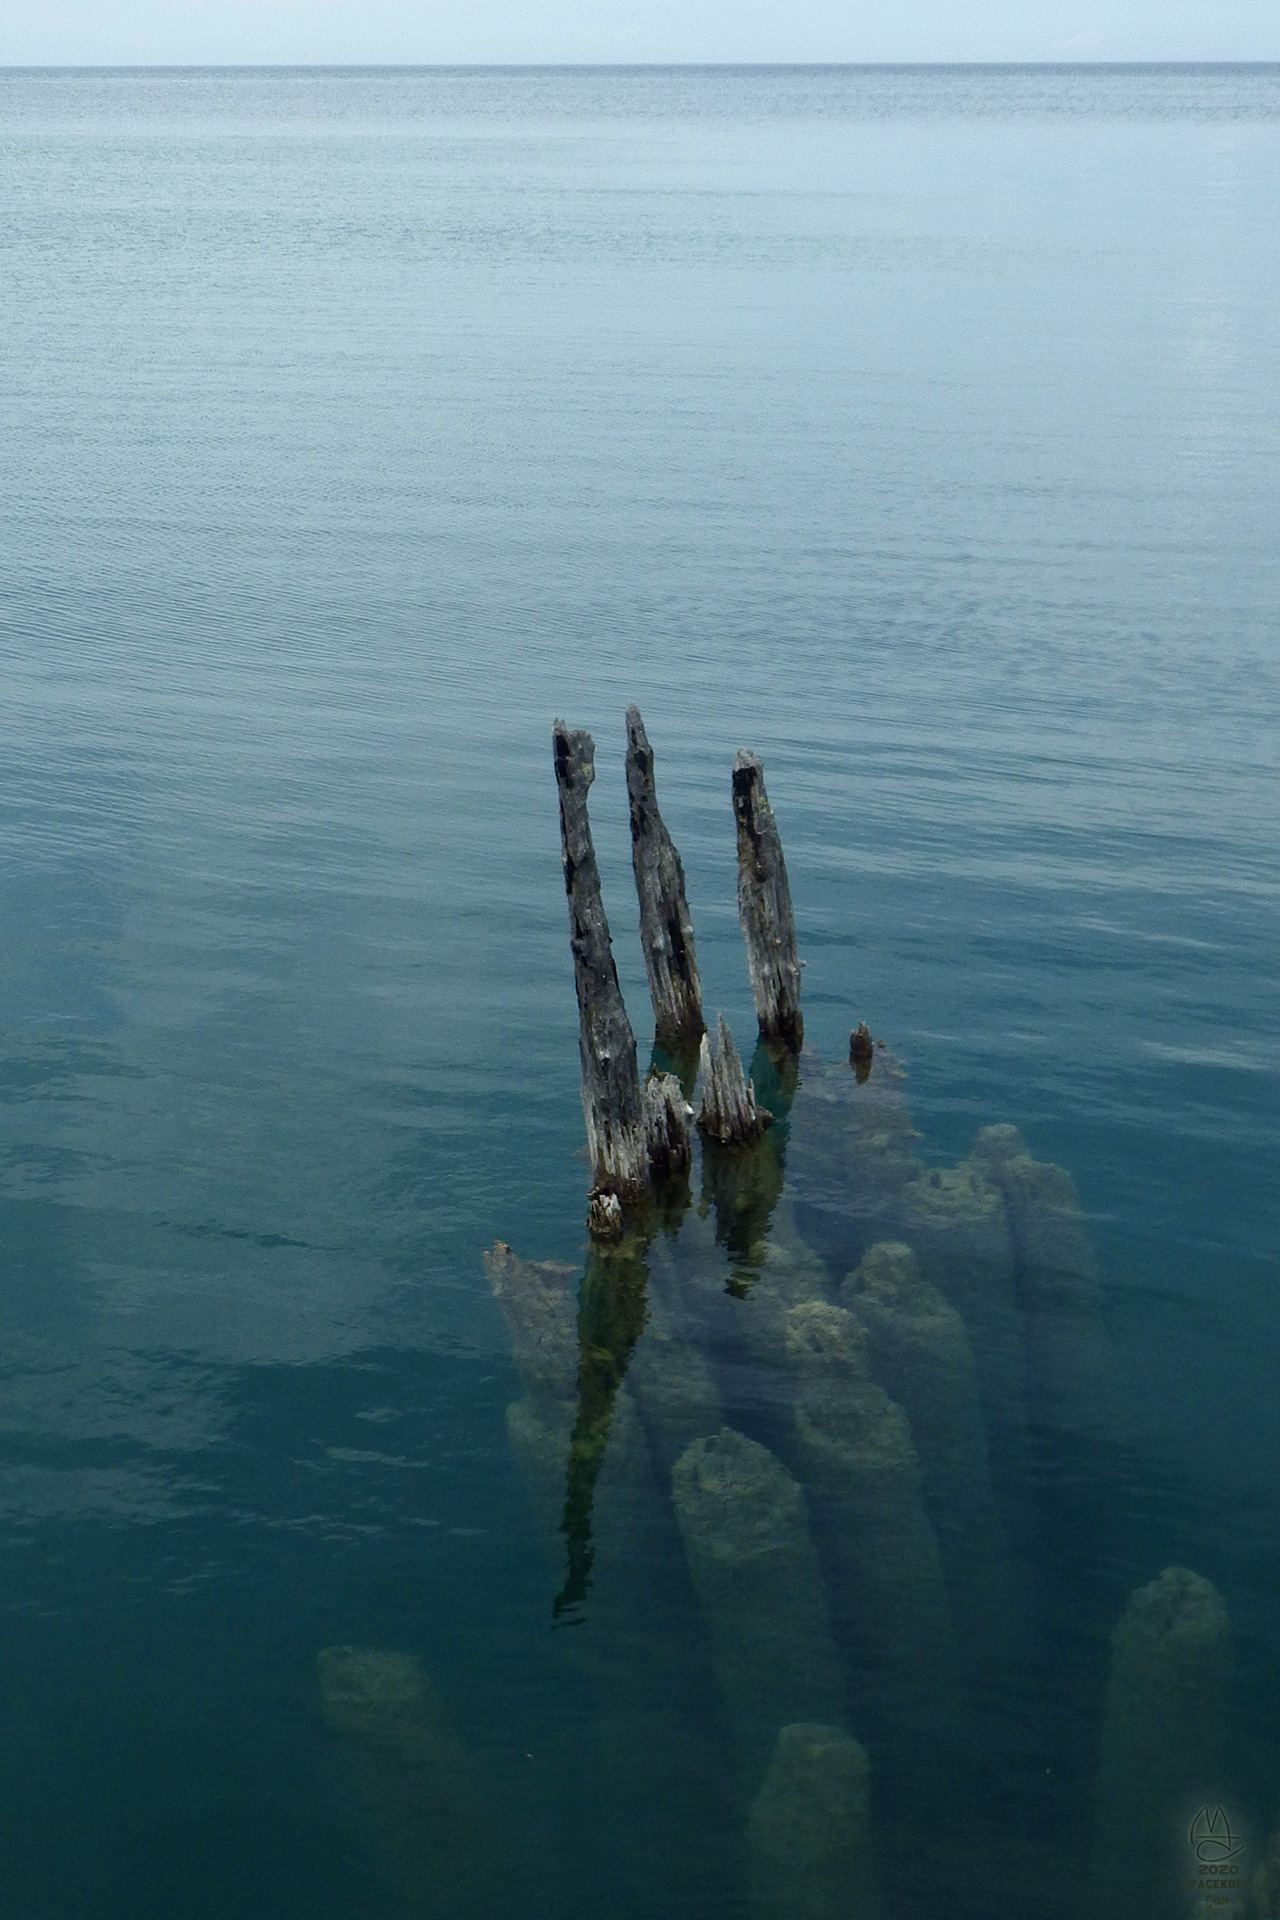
(1165, 1740)
(809, 1834)
(1070, 1362)
(665, 1114)
(611, 1102)
(728, 1113)
(666, 930)
(416, 1781)
(753, 1567)
(764, 907)
(853, 1452)
(919, 1352)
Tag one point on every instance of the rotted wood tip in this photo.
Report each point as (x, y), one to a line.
(666, 1127)
(604, 1215)
(861, 1045)
(729, 1113)
(764, 908)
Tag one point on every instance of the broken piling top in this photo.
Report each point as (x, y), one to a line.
(764, 908)
(606, 1044)
(729, 1113)
(666, 930)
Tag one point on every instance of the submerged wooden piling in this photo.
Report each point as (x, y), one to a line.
(1166, 1739)
(809, 1834)
(666, 930)
(611, 1102)
(746, 1538)
(764, 908)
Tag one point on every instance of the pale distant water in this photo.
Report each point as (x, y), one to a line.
(919, 429)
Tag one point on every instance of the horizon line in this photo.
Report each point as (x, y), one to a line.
(625, 66)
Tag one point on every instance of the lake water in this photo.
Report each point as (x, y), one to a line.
(918, 429)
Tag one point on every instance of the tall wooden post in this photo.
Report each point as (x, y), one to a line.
(666, 930)
(611, 1103)
(764, 908)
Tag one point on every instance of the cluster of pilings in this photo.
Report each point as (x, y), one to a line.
(859, 1527)
(638, 1130)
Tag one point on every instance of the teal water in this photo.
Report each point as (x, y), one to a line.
(918, 429)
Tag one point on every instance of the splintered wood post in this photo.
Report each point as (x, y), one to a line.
(611, 1102)
(666, 1126)
(729, 1113)
(764, 908)
(666, 931)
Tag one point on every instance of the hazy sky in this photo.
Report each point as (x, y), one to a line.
(144, 31)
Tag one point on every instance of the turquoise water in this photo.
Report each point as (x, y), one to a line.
(917, 429)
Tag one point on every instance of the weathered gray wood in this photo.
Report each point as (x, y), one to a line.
(666, 931)
(611, 1102)
(729, 1113)
(764, 908)
(666, 1115)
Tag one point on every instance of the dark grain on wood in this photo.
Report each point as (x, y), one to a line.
(666, 931)
(729, 1113)
(611, 1102)
(764, 908)
(666, 1126)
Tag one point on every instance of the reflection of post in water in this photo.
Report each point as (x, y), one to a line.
(679, 1057)
(742, 1162)
(611, 1315)
(743, 1185)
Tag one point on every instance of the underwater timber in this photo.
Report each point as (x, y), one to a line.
(854, 1524)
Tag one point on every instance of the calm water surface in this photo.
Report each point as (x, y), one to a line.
(918, 429)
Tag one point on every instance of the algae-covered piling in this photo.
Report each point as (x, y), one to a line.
(414, 1778)
(809, 1833)
(1164, 1741)
(746, 1538)
(919, 1352)
(854, 1452)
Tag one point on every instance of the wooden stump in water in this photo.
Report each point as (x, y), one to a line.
(764, 907)
(611, 1102)
(729, 1113)
(666, 930)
